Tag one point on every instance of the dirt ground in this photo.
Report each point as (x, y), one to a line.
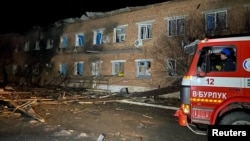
(42, 114)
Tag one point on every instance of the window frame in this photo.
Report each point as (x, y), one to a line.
(145, 30)
(96, 68)
(120, 36)
(171, 68)
(78, 67)
(141, 68)
(79, 41)
(120, 64)
(98, 40)
(215, 26)
(179, 26)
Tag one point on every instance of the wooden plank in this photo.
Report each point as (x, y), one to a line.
(27, 109)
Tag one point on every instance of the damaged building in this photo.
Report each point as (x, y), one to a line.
(137, 48)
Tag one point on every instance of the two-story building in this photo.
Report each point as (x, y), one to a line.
(139, 48)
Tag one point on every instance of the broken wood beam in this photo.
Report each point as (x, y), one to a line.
(27, 109)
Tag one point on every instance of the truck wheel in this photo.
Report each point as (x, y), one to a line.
(236, 118)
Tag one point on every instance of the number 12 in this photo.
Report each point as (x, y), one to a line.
(210, 81)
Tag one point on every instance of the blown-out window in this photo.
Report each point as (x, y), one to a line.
(143, 68)
(119, 34)
(171, 67)
(118, 67)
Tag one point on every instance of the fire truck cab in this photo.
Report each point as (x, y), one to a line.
(212, 95)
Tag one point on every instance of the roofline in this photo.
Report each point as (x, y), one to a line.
(243, 38)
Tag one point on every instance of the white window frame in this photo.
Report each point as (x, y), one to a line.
(77, 42)
(119, 34)
(96, 68)
(95, 34)
(178, 25)
(145, 30)
(118, 67)
(141, 68)
(215, 26)
(76, 67)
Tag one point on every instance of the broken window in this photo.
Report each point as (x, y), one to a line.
(79, 39)
(175, 26)
(171, 67)
(118, 67)
(143, 68)
(119, 34)
(78, 68)
(216, 21)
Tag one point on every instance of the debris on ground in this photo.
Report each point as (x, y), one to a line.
(21, 100)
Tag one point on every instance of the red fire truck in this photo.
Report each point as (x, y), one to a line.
(210, 95)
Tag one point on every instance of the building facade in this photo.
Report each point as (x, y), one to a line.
(139, 48)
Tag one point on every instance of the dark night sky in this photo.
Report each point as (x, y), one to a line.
(21, 15)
